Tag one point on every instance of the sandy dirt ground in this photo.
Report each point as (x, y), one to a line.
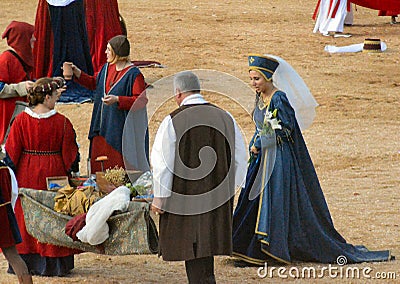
(354, 141)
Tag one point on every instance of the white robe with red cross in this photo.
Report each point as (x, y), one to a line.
(331, 16)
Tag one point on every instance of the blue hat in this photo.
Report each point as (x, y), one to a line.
(263, 64)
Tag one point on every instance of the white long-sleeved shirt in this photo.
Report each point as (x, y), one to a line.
(163, 153)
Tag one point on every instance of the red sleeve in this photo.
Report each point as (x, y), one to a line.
(69, 146)
(87, 80)
(125, 103)
(14, 141)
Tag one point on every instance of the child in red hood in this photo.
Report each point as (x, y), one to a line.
(16, 65)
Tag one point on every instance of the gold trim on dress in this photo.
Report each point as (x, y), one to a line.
(6, 203)
(261, 104)
(262, 185)
(275, 257)
(260, 200)
(248, 259)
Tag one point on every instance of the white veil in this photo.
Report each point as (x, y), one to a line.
(286, 79)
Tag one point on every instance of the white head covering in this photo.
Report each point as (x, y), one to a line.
(286, 79)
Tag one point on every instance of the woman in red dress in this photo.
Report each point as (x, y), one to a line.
(42, 143)
(120, 101)
(9, 232)
(16, 65)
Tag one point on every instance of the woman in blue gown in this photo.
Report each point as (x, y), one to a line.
(281, 212)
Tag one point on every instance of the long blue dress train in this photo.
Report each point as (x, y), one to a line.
(289, 220)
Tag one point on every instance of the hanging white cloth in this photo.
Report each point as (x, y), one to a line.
(96, 230)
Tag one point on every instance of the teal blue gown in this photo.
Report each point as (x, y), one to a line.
(289, 220)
